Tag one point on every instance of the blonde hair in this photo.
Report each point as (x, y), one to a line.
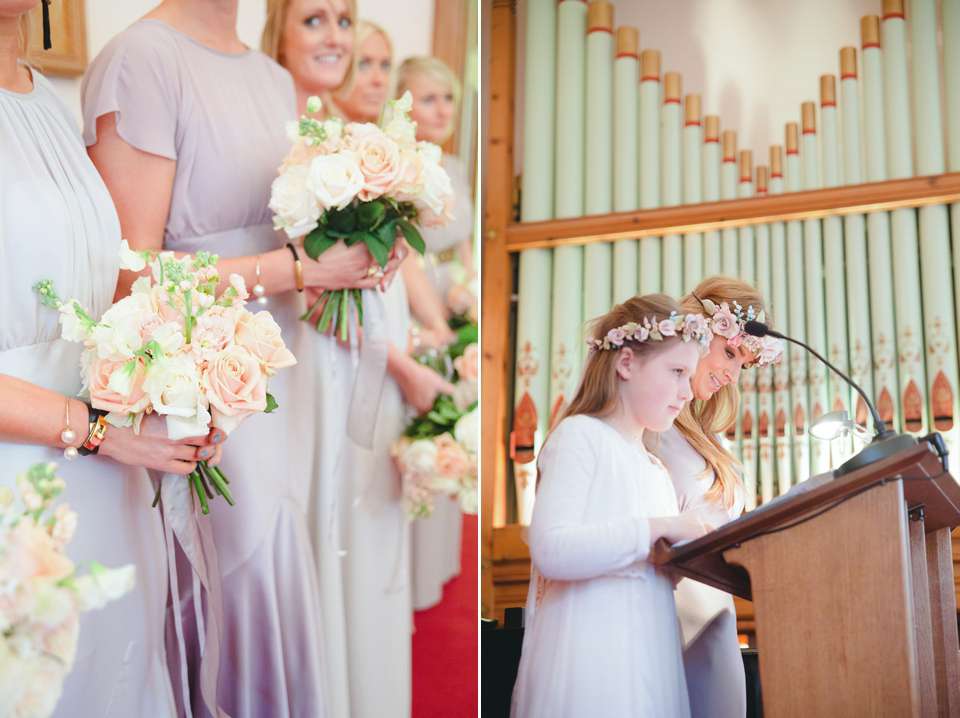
(431, 68)
(599, 388)
(272, 37)
(700, 421)
(361, 31)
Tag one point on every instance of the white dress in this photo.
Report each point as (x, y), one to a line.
(361, 538)
(601, 638)
(435, 541)
(711, 655)
(222, 117)
(57, 222)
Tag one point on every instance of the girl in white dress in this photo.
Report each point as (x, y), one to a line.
(601, 638)
(706, 480)
(57, 222)
(360, 535)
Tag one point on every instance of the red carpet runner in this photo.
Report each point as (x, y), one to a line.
(445, 650)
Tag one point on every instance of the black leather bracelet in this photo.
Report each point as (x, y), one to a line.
(92, 443)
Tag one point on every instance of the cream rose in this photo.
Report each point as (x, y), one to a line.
(235, 387)
(468, 363)
(467, 431)
(130, 401)
(295, 207)
(465, 392)
(379, 160)
(260, 335)
(420, 458)
(452, 459)
(334, 179)
(436, 187)
(175, 390)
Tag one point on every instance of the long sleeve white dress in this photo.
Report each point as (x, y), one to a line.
(57, 221)
(711, 655)
(601, 635)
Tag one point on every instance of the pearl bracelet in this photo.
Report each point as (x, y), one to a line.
(68, 436)
(258, 291)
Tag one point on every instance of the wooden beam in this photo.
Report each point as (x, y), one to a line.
(496, 281)
(853, 199)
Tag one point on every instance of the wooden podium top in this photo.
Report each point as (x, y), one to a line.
(925, 483)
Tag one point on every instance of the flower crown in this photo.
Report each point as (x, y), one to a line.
(729, 324)
(687, 327)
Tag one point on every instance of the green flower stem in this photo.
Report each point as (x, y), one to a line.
(195, 478)
(219, 481)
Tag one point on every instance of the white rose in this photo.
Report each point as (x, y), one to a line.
(141, 285)
(295, 207)
(467, 431)
(436, 187)
(334, 179)
(175, 390)
(420, 458)
(469, 499)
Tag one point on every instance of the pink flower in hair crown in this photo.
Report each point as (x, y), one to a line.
(729, 323)
(687, 327)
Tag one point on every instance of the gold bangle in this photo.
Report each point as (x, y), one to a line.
(68, 436)
(297, 266)
(258, 291)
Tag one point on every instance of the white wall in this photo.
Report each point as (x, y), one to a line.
(410, 24)
(752, 61)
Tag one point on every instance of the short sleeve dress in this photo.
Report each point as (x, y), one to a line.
(601, 636)
(711, 655)
(57, 221)
(222, 117)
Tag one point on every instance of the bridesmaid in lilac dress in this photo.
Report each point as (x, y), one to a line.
(178, 103)
(706, 481)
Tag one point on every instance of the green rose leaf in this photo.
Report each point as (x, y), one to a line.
(370, 214)
(316, 243)
(271, 403)
(412, 235)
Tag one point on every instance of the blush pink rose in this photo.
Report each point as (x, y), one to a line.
(235, 387)
(148, 324)
(260, 335)
(300, 154)
(379, 159)
(724, 323)
(160, 299)
(695, 323)
(468, 364)
(213, 332)
(452, 459)
(102, 397)
(616, 336)
(667, 328)
(32, 553)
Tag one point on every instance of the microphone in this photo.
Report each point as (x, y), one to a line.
(886, 441)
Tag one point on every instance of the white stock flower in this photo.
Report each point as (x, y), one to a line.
(104, 584)
(399, 126)
(467, 431)
(295, 208)
(292, 129)
(334, 179)
(313, 104)
(141, 285)
(130, 259)
(170, 337)
(71, 327)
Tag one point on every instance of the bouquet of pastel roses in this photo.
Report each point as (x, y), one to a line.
(358, 182)
(41, 596)
(438, 452)
(175, 347)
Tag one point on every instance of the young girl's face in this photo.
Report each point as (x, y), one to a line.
(721, 366)
(317, 42)
(655, 388)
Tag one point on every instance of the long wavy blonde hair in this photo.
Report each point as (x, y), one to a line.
(271, 41)
(701, 421)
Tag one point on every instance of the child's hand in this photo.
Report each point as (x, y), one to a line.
(685, 527)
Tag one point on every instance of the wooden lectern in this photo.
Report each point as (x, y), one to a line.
(852, 585)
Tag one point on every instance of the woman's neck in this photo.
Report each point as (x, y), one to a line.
(13, 76)
(210, 22)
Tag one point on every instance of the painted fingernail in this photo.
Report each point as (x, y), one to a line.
(204, 454)
(217, 438)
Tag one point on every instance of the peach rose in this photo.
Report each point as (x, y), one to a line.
(260, 335)
(235, 387)
(468, 364)
(32, 553)
(452, 459)
(213, 332)
(121, 395)
(379, 159)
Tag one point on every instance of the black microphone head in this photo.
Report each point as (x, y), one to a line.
(756, 329)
